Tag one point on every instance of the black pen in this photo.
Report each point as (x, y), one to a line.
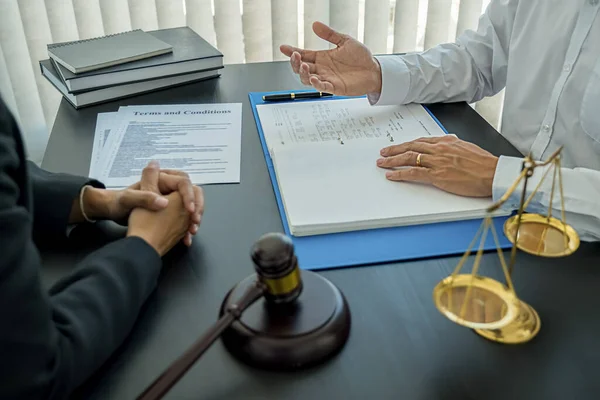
(294, 96)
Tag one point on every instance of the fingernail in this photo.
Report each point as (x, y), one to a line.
(153, 164)
(161, 202)
(388, 174)
(380, 161)
(383, 151)
(195, 228)
(192, 206)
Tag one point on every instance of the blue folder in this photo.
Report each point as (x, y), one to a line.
(376, 245)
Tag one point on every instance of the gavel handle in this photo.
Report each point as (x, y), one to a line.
(179, 367)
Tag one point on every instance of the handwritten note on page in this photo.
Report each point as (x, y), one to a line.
(343, 120)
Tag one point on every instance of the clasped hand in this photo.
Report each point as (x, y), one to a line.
(162, 200)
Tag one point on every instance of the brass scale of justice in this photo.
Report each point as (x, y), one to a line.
(489, 307)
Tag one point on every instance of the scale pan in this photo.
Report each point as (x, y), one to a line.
(490, 305)
(542, 236)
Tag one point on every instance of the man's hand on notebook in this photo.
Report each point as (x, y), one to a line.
(348, 70)
(446, 162)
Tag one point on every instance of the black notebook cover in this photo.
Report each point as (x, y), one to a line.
(118, 92)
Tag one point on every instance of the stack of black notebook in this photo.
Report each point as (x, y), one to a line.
(97, 70)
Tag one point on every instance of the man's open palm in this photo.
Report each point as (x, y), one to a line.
(348, 70)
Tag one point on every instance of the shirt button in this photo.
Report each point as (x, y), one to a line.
(567, 67)
(546, 128)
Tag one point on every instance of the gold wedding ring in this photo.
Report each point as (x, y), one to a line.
(419, 159)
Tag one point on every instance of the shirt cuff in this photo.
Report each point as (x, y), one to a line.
(507, 171)
(395, 81)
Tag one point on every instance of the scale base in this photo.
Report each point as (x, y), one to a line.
(524, 328)
(291, 336)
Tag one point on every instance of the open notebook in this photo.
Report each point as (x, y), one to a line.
(324, 156)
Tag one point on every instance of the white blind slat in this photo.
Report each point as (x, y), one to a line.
(469, 12)
(315, 10)
(284, 19)
(405, 25)
(438, 29)
(6, 90)
(199, 17)
(37, 34)
(468, 15)
(343, 16)
(115, 16)
(61, 17)
(377, 14)
(170, 13)
(228, 27)
(87, 14)
(143, 15)
(258, 37)
(18, 65)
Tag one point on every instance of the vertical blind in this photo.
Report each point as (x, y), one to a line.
(244, 30)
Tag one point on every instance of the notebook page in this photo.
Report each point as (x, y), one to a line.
(328, 187)
(344, 119)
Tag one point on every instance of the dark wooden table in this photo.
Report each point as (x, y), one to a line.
(400, 346)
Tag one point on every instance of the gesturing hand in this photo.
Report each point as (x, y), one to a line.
(349, 69)
(446, 162)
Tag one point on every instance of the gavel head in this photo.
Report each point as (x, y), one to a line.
(277, 267)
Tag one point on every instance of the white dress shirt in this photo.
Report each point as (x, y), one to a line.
(546, 54)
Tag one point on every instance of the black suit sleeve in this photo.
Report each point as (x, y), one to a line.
(51, 342)
(53, 196)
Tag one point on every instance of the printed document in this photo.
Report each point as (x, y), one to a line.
(104, 124)
(203, 140)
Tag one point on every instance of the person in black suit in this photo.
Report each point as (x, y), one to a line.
(51, 342)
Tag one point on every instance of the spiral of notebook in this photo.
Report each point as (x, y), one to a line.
(324, 155)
